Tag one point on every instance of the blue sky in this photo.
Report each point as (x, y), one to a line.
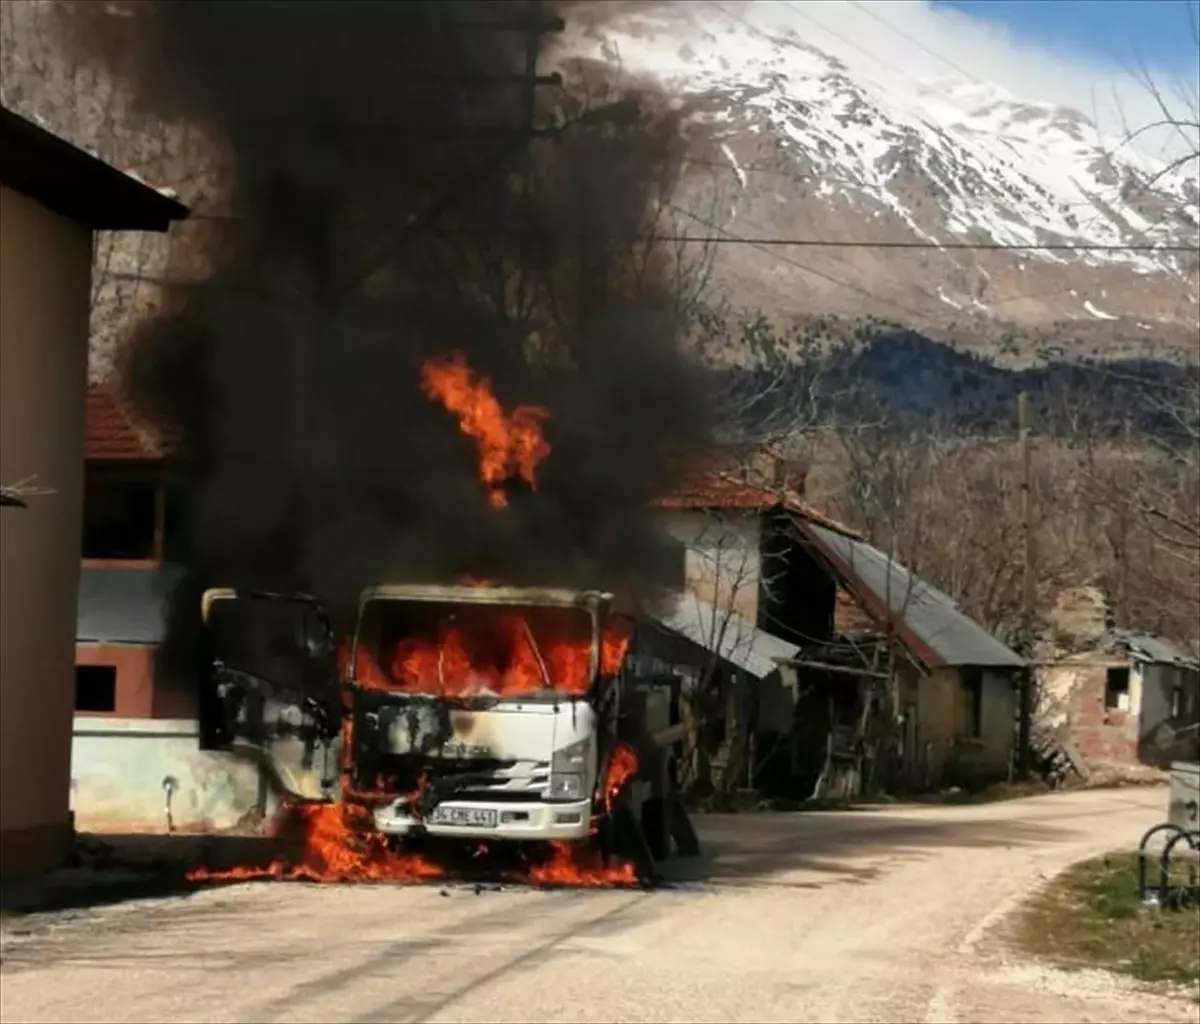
(1111, 31)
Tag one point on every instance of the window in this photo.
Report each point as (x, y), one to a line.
(1176, 701)
(119, 518)
(1116, 689)
(95, 688)
(972, 686)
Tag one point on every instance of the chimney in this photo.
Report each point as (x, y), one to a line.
(788, 475)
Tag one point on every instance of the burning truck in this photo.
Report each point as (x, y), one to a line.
(405, 211)
(473, 711)
(466, 712)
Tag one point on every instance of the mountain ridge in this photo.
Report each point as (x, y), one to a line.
(800, 143)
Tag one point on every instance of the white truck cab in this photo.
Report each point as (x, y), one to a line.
(470, 711)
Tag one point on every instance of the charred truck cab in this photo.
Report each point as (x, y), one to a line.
(480, 711)
(470, 711)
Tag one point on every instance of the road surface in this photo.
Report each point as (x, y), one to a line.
(882, 915)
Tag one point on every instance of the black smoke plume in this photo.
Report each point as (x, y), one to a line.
(386, 203)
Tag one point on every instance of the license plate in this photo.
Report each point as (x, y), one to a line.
(469, 817)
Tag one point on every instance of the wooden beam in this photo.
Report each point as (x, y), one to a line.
(822, 666)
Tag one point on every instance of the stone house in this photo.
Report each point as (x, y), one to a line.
(860, 644)
(1121, 697)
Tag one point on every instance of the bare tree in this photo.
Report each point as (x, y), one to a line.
(42, 77)
(1177, 120)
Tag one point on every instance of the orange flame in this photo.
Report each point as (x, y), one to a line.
(502, 662)
(324, 843)
(509, 445)
(621, 767)
(337, 842)
(614, 642)
(580, 865)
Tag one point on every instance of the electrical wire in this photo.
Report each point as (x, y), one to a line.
(728, 238)
(829, 243)
(915, 42)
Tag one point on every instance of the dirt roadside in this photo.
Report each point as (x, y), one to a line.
(892, 914)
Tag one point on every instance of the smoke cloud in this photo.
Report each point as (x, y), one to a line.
(385, 206)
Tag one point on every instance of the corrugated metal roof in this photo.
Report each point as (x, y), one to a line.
(726, 634)
(124, 606)
(922, 610)
(1149, 647)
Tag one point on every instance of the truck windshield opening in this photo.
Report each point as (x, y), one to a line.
(463, 650)
(265, 638)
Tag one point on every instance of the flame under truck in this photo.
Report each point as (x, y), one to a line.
(454, 753)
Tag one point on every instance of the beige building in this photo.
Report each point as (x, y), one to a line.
(53, 197)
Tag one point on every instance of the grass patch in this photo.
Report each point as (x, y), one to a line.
(1090, 916)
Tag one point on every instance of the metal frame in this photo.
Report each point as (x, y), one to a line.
(1163, 894)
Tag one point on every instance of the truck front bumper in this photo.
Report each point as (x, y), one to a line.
(531, 821)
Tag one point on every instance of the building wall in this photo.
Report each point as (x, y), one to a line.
(986, 758)
(721, 557)
(948, 752)
(135, 676)
(120, 767)
(1071, 699)
(140, 693)
(937, 713)
(1169, 722)
(45, 276)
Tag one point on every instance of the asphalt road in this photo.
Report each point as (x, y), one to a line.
(881, 915)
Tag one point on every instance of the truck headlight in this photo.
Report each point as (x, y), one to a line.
(567, 766)
(571, 758)
(565, 786)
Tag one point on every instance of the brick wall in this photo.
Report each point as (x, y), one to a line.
(137, 693)
(1072, 697)
(1103, 735)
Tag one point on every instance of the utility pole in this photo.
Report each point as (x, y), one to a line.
(1025, 720)
(512, 140)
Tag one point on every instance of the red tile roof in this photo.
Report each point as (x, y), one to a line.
(718, 491)
(110, 433)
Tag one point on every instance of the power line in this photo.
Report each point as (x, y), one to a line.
(753, 243)
(829, 243)
(799, 243)
(848, 42)
(916, 42)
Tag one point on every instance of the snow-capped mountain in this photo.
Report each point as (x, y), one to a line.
(825, 144)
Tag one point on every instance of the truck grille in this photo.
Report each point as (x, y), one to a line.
(520, 781)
